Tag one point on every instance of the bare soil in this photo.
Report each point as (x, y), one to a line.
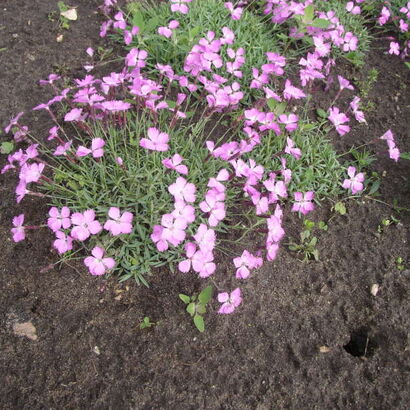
(309, 335)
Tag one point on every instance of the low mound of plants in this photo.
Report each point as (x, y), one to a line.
(140, 171)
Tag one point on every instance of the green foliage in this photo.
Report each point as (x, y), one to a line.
(400, 264)
(308, 242)
(196, 306)
(386, 222)
(340, 208)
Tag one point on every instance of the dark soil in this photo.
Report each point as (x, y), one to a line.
(309, 335)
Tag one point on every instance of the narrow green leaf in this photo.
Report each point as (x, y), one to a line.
(321, 113)
(375, 186)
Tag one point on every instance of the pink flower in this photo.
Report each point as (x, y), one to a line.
(165, 31)
(350, 42)
(292, 92)
(355, 181)
(157, 238)
(245, 263)
(205, 238)
(236, 13)
(31, 173)
(97, 264)
(62, 149)
(74, 115)
(394, 48)
(344, 83)
(291, 149)
(303, 202)
(338, 118)
(59, 219)
(178, 5)
(86, 225)
(182, 189)
(13, 121)
(202, 263)
(185, 265)
(156, 141)
(184, 211)
(136, 58)
(175, 164)
(173, 229)
(96, 150)
(18, 231)
(63, 243)
(118, 224)
(290, 120)
(229, 301)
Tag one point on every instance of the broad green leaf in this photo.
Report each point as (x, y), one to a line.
(309, 14)
(185, 298)
(405, 155)
(407, 64)
(6, 147)
(304, 235)
(313, 242)
(199, 323)
(191, 309)
(340, 208)
(315, 254)
(272, 104)
(206, 295)
(280, 108)
(194, 32)
(138, 20)
(201, 309)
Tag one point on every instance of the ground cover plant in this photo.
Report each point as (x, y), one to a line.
(139, 179)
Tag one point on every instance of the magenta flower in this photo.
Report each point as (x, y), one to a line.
(116, 105)
(355, 182)
(182, 189)
(229, 301)
(394, 48)
(350, 42)
(118, 224)
(343, 83)
(303, 202)
(290, 120)
(86, 225)
(292, 92)
(156, 141)
(136, 58)
(96, 150)
(63, 243)
(74, 115)
(18, 231)
(62, 149)
(97, 264)
(59, 219)
(175, 164)
(13, 121)
(338, 119)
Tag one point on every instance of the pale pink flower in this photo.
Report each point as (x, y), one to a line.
(229, 301)
(291, 149)
(85, 225)
(185, 265)
(184, 211)
(343, 83)
(96, 150)
(175, 164)
(290, 120)
(182, 189)
(63, 243)
(338, 119)
(31, 173)
(179, 5)
(13, 121)
(245, 263)
(18, 231)
(74, 115)
(174, 229)
(394, 48)
(118, 224)
(355, 183)
(59, 219)
(97, 264)
(156, 141)
(205, 238)
(202, 263)
(136, 58)
(303, 202)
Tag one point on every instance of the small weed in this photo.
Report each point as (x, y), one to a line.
(365, 86)
(307, 245)
(400, 265)
(146, 323)
(196, 306)
(386, 222)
